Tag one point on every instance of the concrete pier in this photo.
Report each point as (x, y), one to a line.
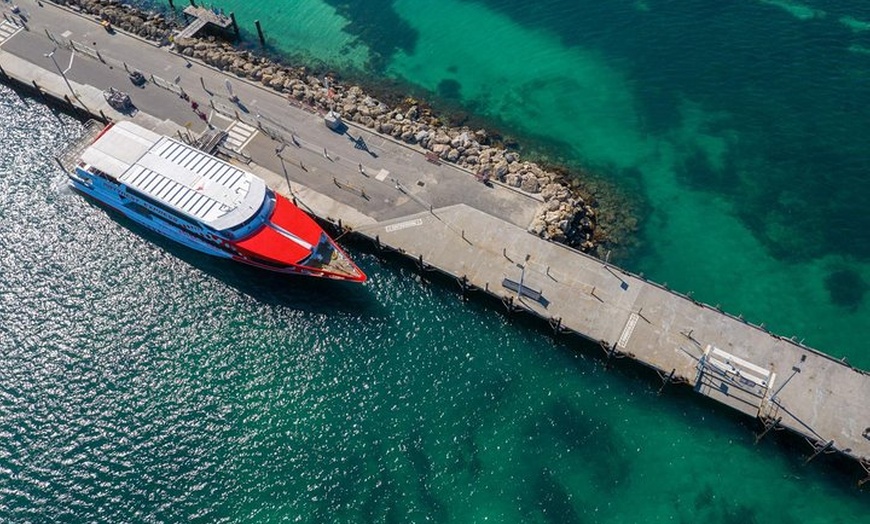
(445, 219)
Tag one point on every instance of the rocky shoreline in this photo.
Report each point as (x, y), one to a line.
(583, 213)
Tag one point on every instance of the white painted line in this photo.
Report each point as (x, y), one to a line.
(382, 175)
(241, 137)
(246, 127)
(627, 330)
(241, 134)
(404, 225)
(8, 30)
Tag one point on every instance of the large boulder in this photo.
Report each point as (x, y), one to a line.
(529, 183)
(500, 170)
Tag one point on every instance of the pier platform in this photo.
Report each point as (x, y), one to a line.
(447, 221)
(202, 19)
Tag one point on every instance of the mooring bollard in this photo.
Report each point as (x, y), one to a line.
(640, 314)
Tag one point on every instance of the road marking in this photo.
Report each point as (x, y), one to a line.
(404, 225)
(8, 30)
(627, 331)
(240, 135)
(382, 175)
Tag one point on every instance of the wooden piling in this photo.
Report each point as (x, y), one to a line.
(235, 25)
(666, 381)
(260, 33)
(556, 325)
(768, 425)
(865, 464)
(820, 450)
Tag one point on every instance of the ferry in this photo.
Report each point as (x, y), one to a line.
(204, 203)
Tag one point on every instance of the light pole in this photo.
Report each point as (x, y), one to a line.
(59, 70)
(522, 277)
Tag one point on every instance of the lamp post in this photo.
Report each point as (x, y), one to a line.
(59, 70)
(522, 277)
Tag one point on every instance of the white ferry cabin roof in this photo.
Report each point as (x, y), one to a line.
(177, 175)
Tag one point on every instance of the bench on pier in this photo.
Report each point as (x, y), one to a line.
(433, 157)
(523, 291)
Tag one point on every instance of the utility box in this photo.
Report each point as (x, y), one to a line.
(333, 121)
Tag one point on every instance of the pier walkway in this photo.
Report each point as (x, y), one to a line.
(446, 220)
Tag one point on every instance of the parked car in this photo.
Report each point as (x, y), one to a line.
(137, 78)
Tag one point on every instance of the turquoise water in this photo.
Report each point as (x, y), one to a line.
(140, 382)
